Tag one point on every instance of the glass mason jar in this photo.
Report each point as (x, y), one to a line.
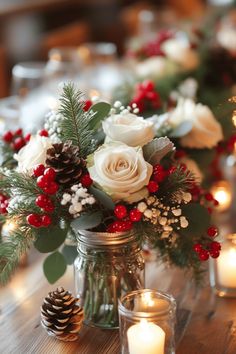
(223, 269)
(147, 322)
(108, 266)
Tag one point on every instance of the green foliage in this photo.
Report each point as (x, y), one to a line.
(11, 250)
(54, 267)
(70, 253)
(75, 124)
(49, 239)
(101, 111)
(87, 221)
(198, 217)
(6, 156)
(102, 197)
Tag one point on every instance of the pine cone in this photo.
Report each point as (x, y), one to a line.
(61, 316)
(67, 163)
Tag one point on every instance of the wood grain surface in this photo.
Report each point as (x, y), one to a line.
(205, 324)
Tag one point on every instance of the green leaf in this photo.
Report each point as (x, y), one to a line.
(198, 218)
(183, 129)
(54, 267)
(101, 110)
(49, 239)
(70, 253)
(102, 197)
(87, 221)
(154, 151)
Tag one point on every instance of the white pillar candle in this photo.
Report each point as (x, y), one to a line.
(226, 266)
(146, 337)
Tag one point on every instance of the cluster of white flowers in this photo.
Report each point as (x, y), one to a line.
(162, 216)
(16, 202)
(78, 198)
(52, 121)
(118, 108)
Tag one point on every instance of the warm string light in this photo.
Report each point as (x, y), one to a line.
(221, 191)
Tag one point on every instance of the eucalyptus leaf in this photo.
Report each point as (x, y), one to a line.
(102, 197)
(87, 221)
(49, 239)
(198, 218)
(70, 253)
(54, 267)
(182, 129)
(154, 151)
(100, 110)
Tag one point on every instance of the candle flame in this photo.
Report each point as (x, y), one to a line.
(147, 299)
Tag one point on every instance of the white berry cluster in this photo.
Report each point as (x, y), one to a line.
(119, 108)
(16, 202)
(182, 197)
(52, 125)
(165, 218)
(77, 199)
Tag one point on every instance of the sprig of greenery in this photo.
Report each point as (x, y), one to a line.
(75, 124)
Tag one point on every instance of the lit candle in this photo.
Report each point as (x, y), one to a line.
(221, 191)
(146, 337)
(226, 266)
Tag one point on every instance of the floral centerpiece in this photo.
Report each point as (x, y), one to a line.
(99, 174)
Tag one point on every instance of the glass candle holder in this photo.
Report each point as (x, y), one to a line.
(147, 321)
(223, 269)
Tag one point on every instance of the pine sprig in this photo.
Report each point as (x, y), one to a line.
(11, 250)
(75, 125)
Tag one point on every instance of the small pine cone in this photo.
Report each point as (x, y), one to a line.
(67, 163)
(61, 316)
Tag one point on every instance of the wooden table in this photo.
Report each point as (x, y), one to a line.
(205, 324)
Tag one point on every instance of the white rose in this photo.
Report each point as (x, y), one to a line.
(121, 171)
(179, 51)
(156, 67)
(129, 129)
(206, 132)
(227, 38)
(33, 153)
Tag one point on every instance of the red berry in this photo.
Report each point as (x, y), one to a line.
(209, 210)
(87, 105)
(216, 203)
(86, 180)
(214, 253)
(203, 255)
(212, 231)
(135, 215)
(43, 182)
(179, 154)
(3, 207)
(49, 207)
(127, 225)
(42, 200)
(2, 198)
(46, 220)
(38, 170)
(18, 132)
(209, 197)
(27, 137)
(148, 85)
(171, 170)
(197, 247)
(8, 136)
(52, 188)
(34, 220)
(120, 211)
(159, 173)
(18, 143)
(50, 174)
(215, 246)
(43, 132)
(152, 187)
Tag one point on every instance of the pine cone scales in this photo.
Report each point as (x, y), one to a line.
(61, 316)
(67, 163)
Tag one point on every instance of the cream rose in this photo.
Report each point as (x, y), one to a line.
(156, 67)
(179, 50)
(206, 132)
(129, 129)
(121, 171)
(226, 37)
(33, 153)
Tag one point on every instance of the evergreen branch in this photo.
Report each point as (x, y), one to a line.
(75, 125)
(11, 250)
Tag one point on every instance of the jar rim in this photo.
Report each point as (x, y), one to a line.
(105, 238)
(141, 314)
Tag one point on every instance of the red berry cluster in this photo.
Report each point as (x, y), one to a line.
(43, 132)
(125, 218)
(211, 249)
(145, 96)
(207, 198)
(16, 139)
(158, 176)
(87, 105)
(4, 200)
(154, 47)
(86, 180)
(46, 181)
